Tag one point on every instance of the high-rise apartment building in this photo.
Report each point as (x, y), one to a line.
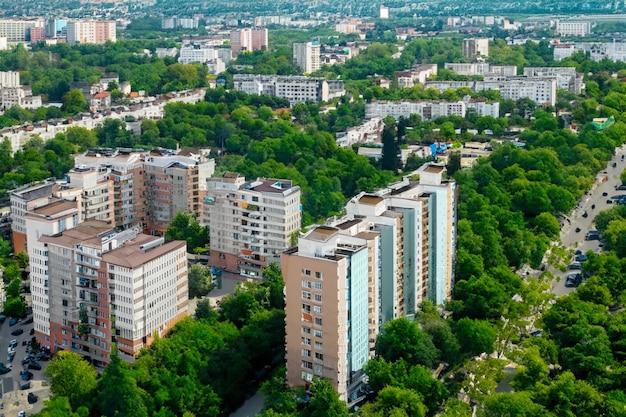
(306, 56)
(473, 47)
(23, 200)
(90, 31)
(248, 39)
(17, 30)
(250, 222)
(174, 183)
(101, 286)
(393, 250)
(37, 34)
(296, 89)
(93, 190)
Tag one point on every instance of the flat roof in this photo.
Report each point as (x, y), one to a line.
(132, 255)
(435, 169)
(370, 199)
(88, 233)
(56, 207)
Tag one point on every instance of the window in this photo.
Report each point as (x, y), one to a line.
(318, 275)
(318, 333)
(318, 297)
(319, 356)
(306, 341)
(306, 376)
(318, 321)
(319, 345)
(306, 272)
(307, 364)
(306, 295)
(306, 308)
(317, 309)
(317, 368)
(317, 286)
(306, 330)
(306, 352)
(306, 284)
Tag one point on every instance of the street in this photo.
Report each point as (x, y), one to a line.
(13, 399)
(576, 240)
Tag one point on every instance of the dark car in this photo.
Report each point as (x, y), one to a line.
(573, 280)
(26, 375)
(2, 318)
(585, 214)
(575, 265)
(32, 398)
(32, 332)
(13, 321)
(577, 230)
(609, 201)
(26, 360)
(604, 194)
(17, 332)
(4, 369)
(581, 258)
(28, 321)
(34, 365)
(25, 386)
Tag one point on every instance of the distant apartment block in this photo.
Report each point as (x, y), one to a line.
(418, 74)
(370, 131)
(344, 280)
(481, 68)
(174, 183)
(12, 93)
(383, 12)
(566, 77)
(180, 22)
(36, 34)
(91, 31)
(248, 39)
(306, 56)
(573, 28)
(18, 30)
(541, 90)
(250, 222)
(296, 89)
(165, 52)
(95, 286)
(475, 47)
(615, 51)
(430, 110)
(192, 53)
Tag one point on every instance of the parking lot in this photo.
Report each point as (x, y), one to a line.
(13, 398)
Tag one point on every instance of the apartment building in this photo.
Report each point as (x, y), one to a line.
(248, 39)
(393, 250)
(566, 77)
(306, 56)
(430, 110)
(17, 30)
(481, 68)
(370, 131)
(9, 79)
(105, 287)
(296, 89)
(93, 190)
(174, 183)
(327, 328)
(539, 89)
(126, 174)
(475, 47)
(417, 74)
(23, 200)
(250, 222)
(192, 53)
(573, 28)
(90, 31)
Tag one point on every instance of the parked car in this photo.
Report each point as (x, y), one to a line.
(581, 258)
(26, 375)
(13, 321)
(585, 214)
(4, 369)
(25, 386)
(609, 201)
(2, 318)
(21, 414)
(32, 332)
(573, 280)
(575, 265)
(577, 230)
(17, 332)
(12, 345)
(34, 365)
(28, 321)
(604, 194)
(32, 398)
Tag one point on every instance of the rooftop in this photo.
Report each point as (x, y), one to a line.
(56, 207)
(88, 233)
(370, 199)
(133, 255)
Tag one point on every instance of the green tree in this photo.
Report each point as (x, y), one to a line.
(199, 281)
(395, 402)
(204, 311)
(14, 307)
(513, 404)
(118, 394)
(58, 406)
(276, 395)
(403, 339)
(475, 336)
(185, 227)
(325, 401)
(72, 377)
(74, 102)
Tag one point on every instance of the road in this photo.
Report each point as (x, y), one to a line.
(13, 399)
(600, 193)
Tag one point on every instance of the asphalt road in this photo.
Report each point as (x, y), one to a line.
(595, 197)
(12, 398)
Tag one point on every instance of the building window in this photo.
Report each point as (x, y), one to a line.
(306, 272)
(317, 309)
(319, 356)
(307, 364)
(318, 286)
(318, 275)
(318, 297)
(306, 284)
(318, 321)
(319, 345)
(317, 368)
(307, 352)
(306, 341)
(306, 308)
(306, 330)
(306, 295)
(318, 333)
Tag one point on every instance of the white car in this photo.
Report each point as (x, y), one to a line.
(21, 414)
(12, 346)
